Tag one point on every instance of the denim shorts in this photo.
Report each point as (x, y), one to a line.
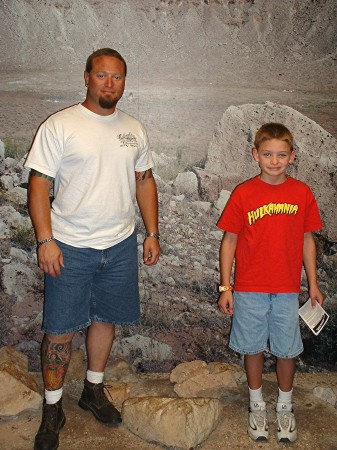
(260, 319)
(94, 285)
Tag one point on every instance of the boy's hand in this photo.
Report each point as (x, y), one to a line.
(316, 295)
(225, 303)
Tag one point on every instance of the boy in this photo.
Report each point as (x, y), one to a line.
(268, 224)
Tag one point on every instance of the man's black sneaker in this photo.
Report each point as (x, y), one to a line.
(94, 399)
(53, 419)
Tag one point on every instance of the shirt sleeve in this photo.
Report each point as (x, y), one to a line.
(231, 218)
(145, 160)
(46, 152)
(313, 221)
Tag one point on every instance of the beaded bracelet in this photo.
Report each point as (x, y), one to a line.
(38, 245)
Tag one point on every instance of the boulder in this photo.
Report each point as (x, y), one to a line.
(13, 218)
(149, 349)
(6, 182)
(197, 379)
(10, 164)
(19, 390)
(172, 422)
(17, 195)
(201, 206)
(187, 370)
(326, 394)
(186, 183)
(17, 253)
(222, 200)
(18, 279)
(121, 370)
(210, 184)
(229, 153)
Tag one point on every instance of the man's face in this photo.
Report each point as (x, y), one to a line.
(106, 83)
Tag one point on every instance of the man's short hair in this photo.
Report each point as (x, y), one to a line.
(273, 130)
(104, 52)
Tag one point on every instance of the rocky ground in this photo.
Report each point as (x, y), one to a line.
(317, 420)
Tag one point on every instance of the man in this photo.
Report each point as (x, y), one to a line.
(99, 160)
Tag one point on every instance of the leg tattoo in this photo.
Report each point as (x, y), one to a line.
(55, 358)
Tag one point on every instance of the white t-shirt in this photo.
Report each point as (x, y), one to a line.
(93, 159)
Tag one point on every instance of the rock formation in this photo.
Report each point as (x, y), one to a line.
(180, 320)
(19, 390)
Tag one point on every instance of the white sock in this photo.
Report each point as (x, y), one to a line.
(256, 398)
(95, 377)
(53, 397)
(284, 400)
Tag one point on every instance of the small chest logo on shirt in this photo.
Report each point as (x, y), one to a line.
(270, 209)
(127, 140)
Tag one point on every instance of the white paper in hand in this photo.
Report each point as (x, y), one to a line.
(315, 317)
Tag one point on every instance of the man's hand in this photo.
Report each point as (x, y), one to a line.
(50, 258)
(151, 251)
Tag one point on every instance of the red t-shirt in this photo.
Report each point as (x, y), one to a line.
(270, 221)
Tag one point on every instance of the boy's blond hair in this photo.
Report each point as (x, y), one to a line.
(273, 130)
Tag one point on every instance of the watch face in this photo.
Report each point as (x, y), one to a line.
(225, 288)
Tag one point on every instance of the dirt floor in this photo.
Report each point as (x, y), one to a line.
(316, 419)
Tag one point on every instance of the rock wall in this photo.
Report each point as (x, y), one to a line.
(53, 34)
(188, 61)
(180, 319)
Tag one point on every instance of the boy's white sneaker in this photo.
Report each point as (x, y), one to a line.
(286, 424)
(257, 422)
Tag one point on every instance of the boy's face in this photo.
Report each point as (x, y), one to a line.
(273, 157)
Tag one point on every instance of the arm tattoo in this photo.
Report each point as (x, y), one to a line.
(36, 173)
(140, 176)
(55, 359)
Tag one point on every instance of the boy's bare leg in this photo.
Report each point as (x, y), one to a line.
(254, 368)
(99, 341)
(285, 372)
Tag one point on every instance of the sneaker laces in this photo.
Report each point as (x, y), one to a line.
(259, 417)
(284, 419)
